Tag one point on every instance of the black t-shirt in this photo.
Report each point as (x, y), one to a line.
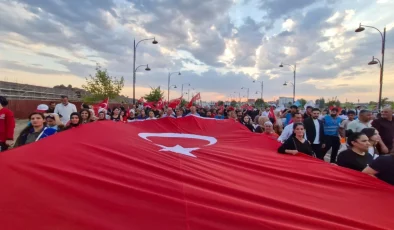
(352, 160)
(384, 165)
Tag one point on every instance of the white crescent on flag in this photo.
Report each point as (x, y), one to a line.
(179, 149)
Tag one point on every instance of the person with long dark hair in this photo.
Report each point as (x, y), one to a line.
(85, 115)
(36, 131)
(356, 157)
(377, 147)
(75, 121)
(115, 115)
(297, 143)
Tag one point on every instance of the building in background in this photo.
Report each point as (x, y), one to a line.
(285, 101)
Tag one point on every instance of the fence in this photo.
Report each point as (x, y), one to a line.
(23, 108)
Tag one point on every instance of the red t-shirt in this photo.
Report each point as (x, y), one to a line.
(7, 125)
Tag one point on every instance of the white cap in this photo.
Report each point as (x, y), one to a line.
(42, 108)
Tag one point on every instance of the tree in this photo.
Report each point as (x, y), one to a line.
(260, 103)
(70, 86)
(184, 102)
(233, 103)
(220, 103)
(154, 95)
(102, 86)
(349, 105)
(302, 102)
(333, 102)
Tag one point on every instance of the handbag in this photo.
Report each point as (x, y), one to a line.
(295, 146)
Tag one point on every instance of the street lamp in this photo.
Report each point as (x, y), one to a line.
(169, 80)
(134, 59)
(247, 93)
(373, 62)
(294, 80)
(169, 91)
(182, 87)
(262, 87)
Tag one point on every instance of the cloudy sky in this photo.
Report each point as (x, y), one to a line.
(218, 45)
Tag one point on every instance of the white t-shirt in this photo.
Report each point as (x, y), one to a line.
(65, 111)
(357, 126)
(149, 118)
(317, 128)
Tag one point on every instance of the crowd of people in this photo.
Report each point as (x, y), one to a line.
(365, 138)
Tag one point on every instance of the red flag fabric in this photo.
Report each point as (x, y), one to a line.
(141, 100)
(194, 99)
(98, 106)
(175, 102)
(149, 104)
(160, 104)
(271, 115)
(157, 174)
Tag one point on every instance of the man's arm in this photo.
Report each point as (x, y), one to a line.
(285, 134)
(74, 109)
(56, 109)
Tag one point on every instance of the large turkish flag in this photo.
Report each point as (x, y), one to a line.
(181, 174)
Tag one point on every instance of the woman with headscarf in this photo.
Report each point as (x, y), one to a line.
(269, 130)
(36, 131)
(75, 121)
(102, 116)
(261, 121)
(296, 143)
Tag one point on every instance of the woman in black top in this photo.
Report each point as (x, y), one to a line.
(246, 122)
(296, 143)
(357, 156)
(115, 116)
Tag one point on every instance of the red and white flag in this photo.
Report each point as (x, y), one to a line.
(175, 102)
(160, 104)
(194, 99)
(101, 105)
(141, 100)
(187, 173)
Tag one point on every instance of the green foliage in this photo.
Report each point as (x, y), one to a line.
(302, 102)
(349, 105)
(233, 103)
(184, 102)
(220, 103)
(260, 103)
(102, 86)
(333, 102)
(154, 95)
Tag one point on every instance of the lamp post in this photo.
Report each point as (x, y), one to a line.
(169, 91)
(294, 80)
(182, 88)
(247, 93)
(134, 59)
(286, 83)
(262, 88)
(169, 81)
(383, 36)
